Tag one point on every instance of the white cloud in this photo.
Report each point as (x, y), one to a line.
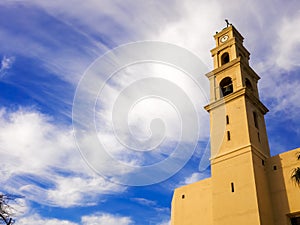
(36, 153)
(6, 64)
(70, 64)
(107, 24)
(20, 206)
(104, 13)
(36, 219)
(193, 178)
(165, 223)
(285, 98)
(94, 219)
(105, 219)
(151, 204)
(194, 27)
(144, 201)
(159, 106)
(30, 140)
(144, 110)
(287, 46)
(80, 191)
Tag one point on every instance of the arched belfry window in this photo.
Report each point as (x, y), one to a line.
(226, 86)
(248, 84)
(224, 58)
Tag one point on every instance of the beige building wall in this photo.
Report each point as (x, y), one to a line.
(196, 207)
(192, 204)
(263, 191)
(285, 193)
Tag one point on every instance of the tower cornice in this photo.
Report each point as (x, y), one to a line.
(224, 67)
(242, 92)
(235, 62)
(226, 99)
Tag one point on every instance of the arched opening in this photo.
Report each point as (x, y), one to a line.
(224, 58)
(226, 86)
(248, 84)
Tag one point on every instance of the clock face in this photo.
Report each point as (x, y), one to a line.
(224, 38)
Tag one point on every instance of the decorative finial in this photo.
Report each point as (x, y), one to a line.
(227, 23)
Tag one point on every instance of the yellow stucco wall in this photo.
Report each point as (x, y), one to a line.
(211, 202)
(285, 193)
(233, 206)
(192, 204)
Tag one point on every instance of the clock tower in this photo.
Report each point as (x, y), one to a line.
(239, 143)
(246, 186)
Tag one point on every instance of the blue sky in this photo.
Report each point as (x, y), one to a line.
(47, 47)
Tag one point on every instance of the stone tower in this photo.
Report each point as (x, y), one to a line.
(239, 143)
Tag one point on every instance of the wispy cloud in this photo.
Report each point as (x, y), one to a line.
(6, 64)
(152, 205)
(93, 219)
(36, 219)
(287, 44)
(194, 177)
(145, 202)
(106, 219)
(165, 223)
(97, 218)
(66, 40)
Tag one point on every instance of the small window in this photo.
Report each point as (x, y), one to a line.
(232, 187)
(258, 136)
(226, 87)
(224, 58)
(182, 196)
(274, 167)
(263, 162)
(248, 84)
(228, 135)
(255, 118)
(227, 119)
